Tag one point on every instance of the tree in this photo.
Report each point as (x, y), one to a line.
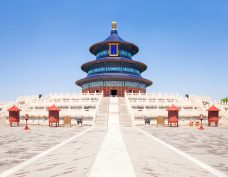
(224, 100)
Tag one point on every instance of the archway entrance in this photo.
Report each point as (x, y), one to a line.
(113, 92)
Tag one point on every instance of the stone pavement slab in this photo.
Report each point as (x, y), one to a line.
(116, 151)
(18, 145)
(209, 146)
(150, 158)
(113, 159)
(73, 159)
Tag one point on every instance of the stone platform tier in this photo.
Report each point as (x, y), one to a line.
(113, 111)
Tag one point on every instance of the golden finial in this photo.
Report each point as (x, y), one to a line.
(113, 25)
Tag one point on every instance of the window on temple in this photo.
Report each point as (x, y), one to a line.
(113, 49)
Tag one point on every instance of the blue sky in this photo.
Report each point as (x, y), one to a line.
(43, 43)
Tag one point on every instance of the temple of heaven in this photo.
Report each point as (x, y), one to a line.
(114, 71)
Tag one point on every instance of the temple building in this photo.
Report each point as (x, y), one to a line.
(114, 72)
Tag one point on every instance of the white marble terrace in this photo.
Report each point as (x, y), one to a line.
(153, 105)
(86, 105)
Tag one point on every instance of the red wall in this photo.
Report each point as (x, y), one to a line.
(120, 90)
(14, 116)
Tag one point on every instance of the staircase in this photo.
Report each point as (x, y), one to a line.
(113, 111)
(124, 117)
(102, 116)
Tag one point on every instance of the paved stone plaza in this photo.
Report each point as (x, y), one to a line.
(134, 150)
(17, 145)
(153, 159)
(209, 146)
(112, 147)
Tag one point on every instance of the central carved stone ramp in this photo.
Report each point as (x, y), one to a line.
(113, 160)
(102, 117)
(124, 116)
(113, 117)
(113, 111)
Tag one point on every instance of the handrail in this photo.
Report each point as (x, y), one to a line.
(97, 108)
(108, 112)
(2, 118)
(129, 108)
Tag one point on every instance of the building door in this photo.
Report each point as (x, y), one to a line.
(113, 92)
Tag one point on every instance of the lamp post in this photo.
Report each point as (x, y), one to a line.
(201, 125)
(26, 119)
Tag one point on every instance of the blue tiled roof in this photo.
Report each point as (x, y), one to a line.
(114, 37)
(117, 77)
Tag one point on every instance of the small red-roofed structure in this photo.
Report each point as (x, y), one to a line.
(14, 115)
(53, 115)
(173, 115)
(213, 115)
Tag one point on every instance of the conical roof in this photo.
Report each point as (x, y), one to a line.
(14, 108)
(213, 108)
(53, 108)
(173, 108)
(113, 38)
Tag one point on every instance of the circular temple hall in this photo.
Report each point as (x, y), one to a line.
(114, 72)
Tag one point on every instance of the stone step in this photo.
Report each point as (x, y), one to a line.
(102, 117)
(125, 119)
